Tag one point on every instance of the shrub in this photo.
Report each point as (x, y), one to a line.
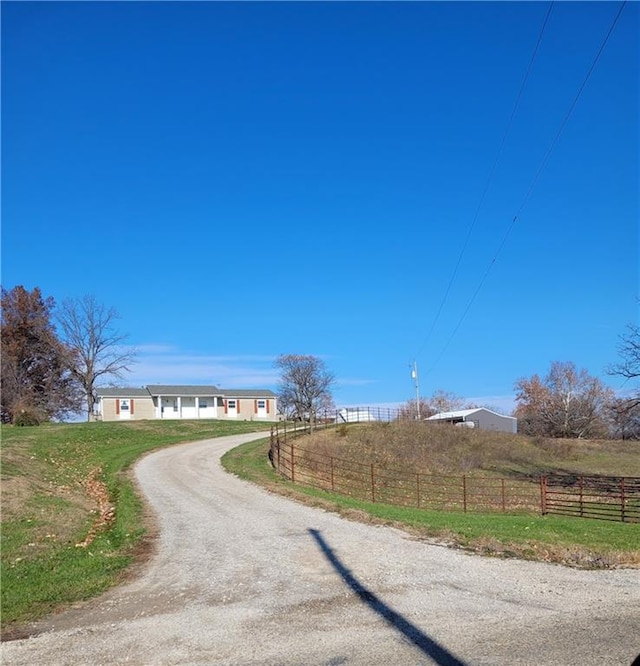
(28, 416)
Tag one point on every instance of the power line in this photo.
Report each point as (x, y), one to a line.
(533, 183)
(505, 135)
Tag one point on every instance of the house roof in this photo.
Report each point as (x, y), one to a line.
(247, 393)
(164, 389)
(463, 413)
(168, 390)
(124, 392)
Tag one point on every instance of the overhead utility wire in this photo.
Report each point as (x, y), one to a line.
(489, 177)
(534, 181)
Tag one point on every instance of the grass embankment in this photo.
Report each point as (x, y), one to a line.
(572, 541)
(71, 518)
(72, 521)
(440, 449)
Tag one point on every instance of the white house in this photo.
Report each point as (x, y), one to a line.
(185, 402)
(479, 417)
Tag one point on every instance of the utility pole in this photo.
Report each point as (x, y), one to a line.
(414, 375)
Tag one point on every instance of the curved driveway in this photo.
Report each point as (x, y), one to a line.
(244, 577)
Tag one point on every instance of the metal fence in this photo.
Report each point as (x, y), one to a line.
(600, 497)
(350, 415)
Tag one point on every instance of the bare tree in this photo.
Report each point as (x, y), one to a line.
(566, 402)
(445, 401)
(305, 385)
(440, 401)
(409, 410)
(629, 364)
(624, 418)
(625, 411)
(88, 329)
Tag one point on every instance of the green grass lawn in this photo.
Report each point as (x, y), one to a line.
(573, 541)
(46, 511)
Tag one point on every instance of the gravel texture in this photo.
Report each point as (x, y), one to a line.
(243, 577)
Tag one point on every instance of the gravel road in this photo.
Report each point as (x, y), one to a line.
(243, 577)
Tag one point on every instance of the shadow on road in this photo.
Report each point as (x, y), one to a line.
(430, 647)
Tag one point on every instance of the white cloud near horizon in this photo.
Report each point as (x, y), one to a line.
(504, 404)
(164, 364)
(158, 363)
(355, 382)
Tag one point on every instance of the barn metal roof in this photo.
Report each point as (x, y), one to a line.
(463, 413)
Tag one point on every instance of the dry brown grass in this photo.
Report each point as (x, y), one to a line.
(443, 449)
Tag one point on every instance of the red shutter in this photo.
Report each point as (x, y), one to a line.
(131, 406)
(117, 406)
(238, 405)
(226, 407)
(267, 401)
(255, 406)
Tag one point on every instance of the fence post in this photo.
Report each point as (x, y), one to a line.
(293, 465)
(543, 495)
(331, 461)
(622, 499)
(581, 496)
(373, 485)
(464, 492)
(504, 498)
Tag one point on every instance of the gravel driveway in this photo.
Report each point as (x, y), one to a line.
(243, 577)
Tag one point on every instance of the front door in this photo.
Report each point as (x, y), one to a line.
(124, 408)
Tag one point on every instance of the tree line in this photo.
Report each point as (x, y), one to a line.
(569, 402)
(565, 402)
(54, 357)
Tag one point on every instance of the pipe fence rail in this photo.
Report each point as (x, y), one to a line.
(599, 497)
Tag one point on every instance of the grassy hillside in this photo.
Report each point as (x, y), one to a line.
(446, 450)
(71, 520)
(441, 449)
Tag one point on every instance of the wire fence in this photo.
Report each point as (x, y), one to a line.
(599, 497)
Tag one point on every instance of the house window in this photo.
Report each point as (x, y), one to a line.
(262, 404)
(231, 404)
(124, 405)
(203, 403)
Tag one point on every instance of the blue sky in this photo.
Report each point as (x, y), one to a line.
(243, 180)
